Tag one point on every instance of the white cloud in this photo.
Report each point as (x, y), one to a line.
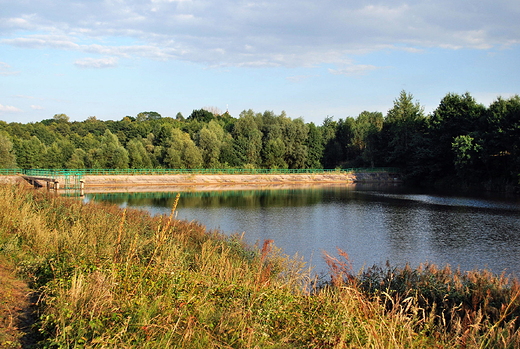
(27, 97)
(43, 41)
(9, 109)
(353, 69)
(96, 63)
(6, 70)
(37, 107)
(266, 33)
(300, 78)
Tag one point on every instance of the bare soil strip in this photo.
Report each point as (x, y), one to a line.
(202, 179)
(17, 311)
(207, 182)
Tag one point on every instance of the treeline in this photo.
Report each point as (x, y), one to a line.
(461, 141)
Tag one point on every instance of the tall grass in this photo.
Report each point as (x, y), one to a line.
(118, 278)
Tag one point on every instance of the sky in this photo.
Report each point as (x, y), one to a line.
(311, 59)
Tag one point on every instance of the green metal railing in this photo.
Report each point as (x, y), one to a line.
(173, 171)
(10, 171)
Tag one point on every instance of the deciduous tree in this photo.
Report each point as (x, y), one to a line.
(137, 154)
(7, 155)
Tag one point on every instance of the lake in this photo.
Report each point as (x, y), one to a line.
(373, 224)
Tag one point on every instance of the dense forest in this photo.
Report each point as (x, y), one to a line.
(460, 142)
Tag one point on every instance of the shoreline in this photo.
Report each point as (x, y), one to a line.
(207, 182)
(203, 182)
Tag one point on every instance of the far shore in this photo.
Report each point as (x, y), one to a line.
(205, 182)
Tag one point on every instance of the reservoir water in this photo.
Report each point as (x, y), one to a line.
(373, 224)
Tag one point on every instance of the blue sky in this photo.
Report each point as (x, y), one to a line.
(311, 59)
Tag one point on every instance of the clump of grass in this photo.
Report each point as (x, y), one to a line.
(113, 278)
(474, 308)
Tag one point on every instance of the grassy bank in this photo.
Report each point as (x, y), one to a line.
(112, 278)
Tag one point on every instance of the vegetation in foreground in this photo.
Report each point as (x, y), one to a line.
(113, 278)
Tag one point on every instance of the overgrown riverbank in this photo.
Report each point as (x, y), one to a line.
(112, 278)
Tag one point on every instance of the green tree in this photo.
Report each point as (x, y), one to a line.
(228, 156)
(466, 155)
(77, 160)
(110, 154)
(209, 144)
(332, 149)
(365, 132)
(295, 134)
(247, 140)
(337, 136)
(29, 152)
(137, 154)
(201, 115)
(315, 147)
(61, 118)
(274, 152)
(164, 135)
(61, 128)
(148, 115)
(273, 147)
(501, 141)
(191, 155)
(181, 151)
(7, 155)
(401, 125)
(455, 116)
(44, 133)
(57, 155)
(93, 126)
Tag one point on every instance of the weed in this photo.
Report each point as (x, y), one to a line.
(113, 278)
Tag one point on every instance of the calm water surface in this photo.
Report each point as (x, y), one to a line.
(372, 224)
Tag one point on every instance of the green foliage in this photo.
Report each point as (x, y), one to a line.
(60, 118)
(273, 154)
(201, 115)
(58, 154)
(294, 134)
(29, 152)
(466, 152)
(456, 115)
(7, 155)
(138, 155)
(315, 147)
(363, 144)
(247, 139)
(148, 115)
(110, 154)
(402, 124)
(181, 151)
(501, 149)
(428, 149)
(209, 141)
(77, 159)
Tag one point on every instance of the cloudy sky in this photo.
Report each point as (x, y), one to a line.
(313, 59)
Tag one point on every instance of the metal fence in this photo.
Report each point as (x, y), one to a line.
(10, 171)
(173, 171)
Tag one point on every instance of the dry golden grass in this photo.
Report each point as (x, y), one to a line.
(112, 278)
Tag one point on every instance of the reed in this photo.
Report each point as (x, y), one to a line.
(112, 278)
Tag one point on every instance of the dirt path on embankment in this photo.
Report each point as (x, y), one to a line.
(213, 181)
(17, 310)
(193, 182)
